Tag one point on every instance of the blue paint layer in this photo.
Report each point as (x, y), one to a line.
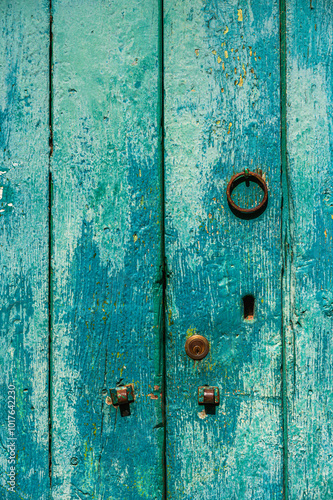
(107, 250)
(310, 272)
(222, 114)
(24, 156)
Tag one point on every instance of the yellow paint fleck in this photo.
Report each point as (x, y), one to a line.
(331, 216)
(236, 82)
(214, 52)
(232, 50)
(241, 81)
(196, 52)
(135, 237)
(226, 54)
(235, 71)
(222, 90)
(226, 75)
(210, 216)
(140, 173)
(240, 15)
(219, 60)
(250, 51)
(223, 67)
(218, 122)
(190, 332)
(244, 69)
(222, 44)
(325, 233)
(230, 125)
(226, 30)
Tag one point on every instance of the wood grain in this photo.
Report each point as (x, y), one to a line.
(24, 166)
(107, 287)
(222, 114)
(309, 309)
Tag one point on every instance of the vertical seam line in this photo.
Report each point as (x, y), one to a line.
(163, 257)
(284, 231)
(50, 245)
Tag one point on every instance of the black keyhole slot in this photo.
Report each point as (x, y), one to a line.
(248, 304)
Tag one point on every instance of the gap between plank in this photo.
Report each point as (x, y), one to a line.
(284, 232)
(50, 243)
(162, 255)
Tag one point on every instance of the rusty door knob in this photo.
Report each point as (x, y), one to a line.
(197, 347)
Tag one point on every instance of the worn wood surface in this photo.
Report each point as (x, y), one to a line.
(107, 286)
(24, 164)
(222, 114)
(222, 65)
(309, 310)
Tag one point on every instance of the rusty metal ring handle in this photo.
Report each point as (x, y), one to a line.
(238, 179)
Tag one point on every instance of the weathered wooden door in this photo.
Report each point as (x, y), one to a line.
(121, 124)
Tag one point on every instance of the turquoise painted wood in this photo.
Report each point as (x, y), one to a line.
(222, 114)
(309, 299)
(106, 233)
(139, 249)
(24, 166)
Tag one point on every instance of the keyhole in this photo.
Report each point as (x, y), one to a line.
(248, 302)
(197, 350)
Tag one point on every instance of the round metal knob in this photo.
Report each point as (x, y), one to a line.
(197, 347)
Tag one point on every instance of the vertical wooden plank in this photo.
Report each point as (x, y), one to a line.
(24, 165)
(222, 114)
(310, 299)
(106, 247)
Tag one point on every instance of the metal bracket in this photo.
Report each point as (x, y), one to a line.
(122, 396)
(208, 395)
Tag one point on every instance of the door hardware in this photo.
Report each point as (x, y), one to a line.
(122, 396)
(246, 176)
(208, 395)
(197, 347)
